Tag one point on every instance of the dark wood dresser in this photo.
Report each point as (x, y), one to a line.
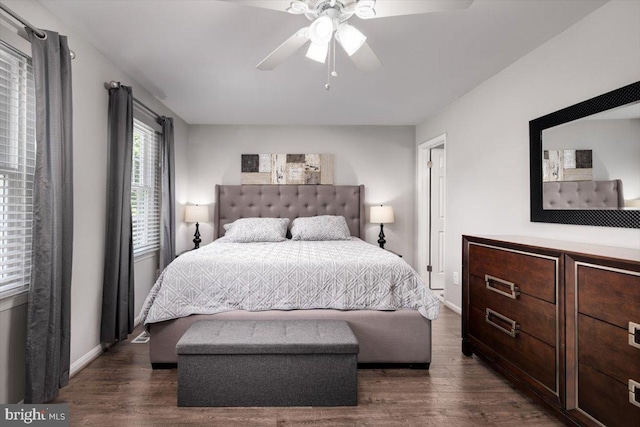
(560, 319)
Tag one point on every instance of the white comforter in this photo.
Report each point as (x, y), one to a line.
(343, 275)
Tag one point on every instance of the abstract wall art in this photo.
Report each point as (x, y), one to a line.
(567, 165)
(287, 169)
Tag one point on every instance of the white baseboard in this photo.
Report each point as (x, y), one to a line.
(81, 363)
(92, 355)
(453, 307)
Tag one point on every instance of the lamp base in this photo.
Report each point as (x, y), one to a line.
(381, 240)
(196, 241)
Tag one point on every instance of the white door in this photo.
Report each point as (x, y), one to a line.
(436, 215)
(431, 190)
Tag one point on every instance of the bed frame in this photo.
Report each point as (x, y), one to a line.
(385, 337)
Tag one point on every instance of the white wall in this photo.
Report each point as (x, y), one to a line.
(90, 70)
(13, 330)
(487, 130)
(379, 157)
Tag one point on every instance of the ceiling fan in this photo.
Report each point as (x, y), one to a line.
(329, 22)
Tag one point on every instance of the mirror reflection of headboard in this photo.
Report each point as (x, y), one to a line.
(583, 195)
(608, 217)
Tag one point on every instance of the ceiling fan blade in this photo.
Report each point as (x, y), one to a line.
(280, 5)
(366, 60)
(285, 50)
(385, 8)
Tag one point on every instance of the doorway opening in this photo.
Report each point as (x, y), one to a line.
(431, 212)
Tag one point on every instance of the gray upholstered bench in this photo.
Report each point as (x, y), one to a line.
(267, 363)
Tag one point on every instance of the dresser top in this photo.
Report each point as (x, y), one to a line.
(630, 254)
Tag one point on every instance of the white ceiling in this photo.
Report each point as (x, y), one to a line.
(199, 57)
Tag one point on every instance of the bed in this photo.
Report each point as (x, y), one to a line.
(389, 334)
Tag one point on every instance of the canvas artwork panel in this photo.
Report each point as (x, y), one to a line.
(250, 163)
(567, 165)
(299, 169)
(264, 163)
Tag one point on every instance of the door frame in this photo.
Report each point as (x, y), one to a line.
(423, 178)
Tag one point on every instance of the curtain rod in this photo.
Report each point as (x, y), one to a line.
(38, 32)
(23, 21)
(114, 84)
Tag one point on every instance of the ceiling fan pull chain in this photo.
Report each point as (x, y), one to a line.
(334, 73)
(328, 85)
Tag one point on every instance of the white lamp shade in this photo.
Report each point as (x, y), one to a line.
(350, 38)
(381, 214)
(297, 7)
(633, 203)
(365, 9)
(196, 213)
(318, 52)
(321, 30)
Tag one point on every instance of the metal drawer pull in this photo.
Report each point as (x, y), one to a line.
(515, 328)
(634, 335)
(634, 393)
(513, 293)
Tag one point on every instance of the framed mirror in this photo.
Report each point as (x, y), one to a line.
(585, 162)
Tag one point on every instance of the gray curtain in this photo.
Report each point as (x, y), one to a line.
(167, 213)
(49, 310)
(117, 287)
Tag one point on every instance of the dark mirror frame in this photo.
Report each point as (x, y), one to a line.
(604, 217)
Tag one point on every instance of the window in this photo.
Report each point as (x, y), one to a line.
(145, 188)
(17, 167)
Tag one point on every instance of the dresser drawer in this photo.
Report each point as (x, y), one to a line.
(606, 348)
(531, 274)
(536, 317)
(612, 296)
(534, 357)
(605, 399)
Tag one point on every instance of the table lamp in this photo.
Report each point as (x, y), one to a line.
(197, 214)
(381, 215)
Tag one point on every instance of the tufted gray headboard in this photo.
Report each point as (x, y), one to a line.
(289, 201)
(582, 195)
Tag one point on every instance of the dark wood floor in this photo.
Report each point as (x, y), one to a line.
(121, 389)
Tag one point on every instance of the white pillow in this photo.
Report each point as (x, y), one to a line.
(247, 230)
(323, 227)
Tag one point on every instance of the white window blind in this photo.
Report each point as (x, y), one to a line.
(17, 167)
(145, 188)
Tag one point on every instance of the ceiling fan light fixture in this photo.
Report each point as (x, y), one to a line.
(318, 52)
(297, 7)
(365, 9)
(321, 30)
(350, 38)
